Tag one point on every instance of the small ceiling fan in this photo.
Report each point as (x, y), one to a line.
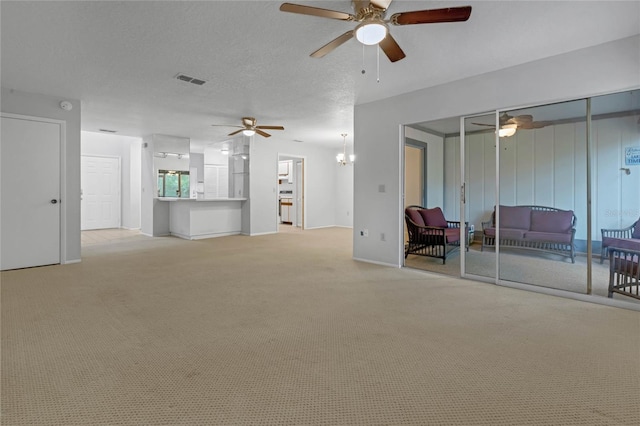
(509, 124)
(373, 27)
(249, 128)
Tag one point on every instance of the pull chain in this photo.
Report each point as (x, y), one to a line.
(363, 71)
(378, 60)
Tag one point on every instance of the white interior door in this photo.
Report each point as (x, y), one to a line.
(100, 206)
(30, 208)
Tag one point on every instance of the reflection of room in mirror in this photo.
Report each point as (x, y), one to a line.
(226, 169)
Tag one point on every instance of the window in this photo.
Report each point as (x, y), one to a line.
(173, 183)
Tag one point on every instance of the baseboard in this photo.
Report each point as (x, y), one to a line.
(69, 261)
(376, 262)
(320, 227)
(260, 233)
(129, 229)
(203, 236)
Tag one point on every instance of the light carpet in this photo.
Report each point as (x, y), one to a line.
(530, 267)
(287, 329)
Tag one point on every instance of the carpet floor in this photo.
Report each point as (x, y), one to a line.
(540, 269)
(287, 329)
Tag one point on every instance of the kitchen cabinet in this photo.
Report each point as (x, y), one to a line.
(285, 170)
(286, 204)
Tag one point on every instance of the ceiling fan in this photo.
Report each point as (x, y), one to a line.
(373, 27)
(249, 128)
(509, 124)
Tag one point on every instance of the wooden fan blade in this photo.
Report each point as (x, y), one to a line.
(432, 16)
(534, 125)
(226, 125)
(391, 48)
(381, 4)
(523, 118)
(332, 45)
(236, 132)
(261, 133)
(482, 124)
(270, 127)
(316, 11)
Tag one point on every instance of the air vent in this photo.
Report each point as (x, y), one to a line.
(108, 131)
(192, 80)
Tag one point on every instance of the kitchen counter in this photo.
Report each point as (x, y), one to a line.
(193, 219)
(199, 199)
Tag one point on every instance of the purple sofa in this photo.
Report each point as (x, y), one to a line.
(626, 238)
(538, 228)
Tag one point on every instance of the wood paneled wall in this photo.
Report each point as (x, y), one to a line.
(548, 167)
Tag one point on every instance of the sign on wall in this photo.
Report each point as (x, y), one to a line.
(632, 156)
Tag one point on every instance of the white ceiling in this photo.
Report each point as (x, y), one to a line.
(120, 58)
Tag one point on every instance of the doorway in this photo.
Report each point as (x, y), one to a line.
(100, 194)
(31, 192)
(291, 193)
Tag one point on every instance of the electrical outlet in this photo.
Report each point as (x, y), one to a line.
(364, 233)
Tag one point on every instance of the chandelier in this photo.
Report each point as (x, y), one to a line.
(342, 157)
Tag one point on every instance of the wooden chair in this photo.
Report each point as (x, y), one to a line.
(623, 238)
(430, 234)
(624, 272)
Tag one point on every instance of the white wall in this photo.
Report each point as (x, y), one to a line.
(343, 193)
(128, 150)
(596, 70)
(321, 184)
(34, 105)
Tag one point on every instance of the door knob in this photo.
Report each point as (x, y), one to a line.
(54, 201)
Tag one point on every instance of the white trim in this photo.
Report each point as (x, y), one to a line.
(67, 262)
(321, 227)
(63, 174)
(203, 236)
(260, 233)
(401, 193)
(377, 263)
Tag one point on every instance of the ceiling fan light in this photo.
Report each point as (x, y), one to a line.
(371, 32)
(507, 130)
(248, 132)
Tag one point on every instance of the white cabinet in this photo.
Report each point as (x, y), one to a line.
(216, 181)
(286, 204)
(285, 170)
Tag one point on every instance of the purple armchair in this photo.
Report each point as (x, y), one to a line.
(430, 234)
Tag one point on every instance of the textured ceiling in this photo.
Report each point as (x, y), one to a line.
(120, 58)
